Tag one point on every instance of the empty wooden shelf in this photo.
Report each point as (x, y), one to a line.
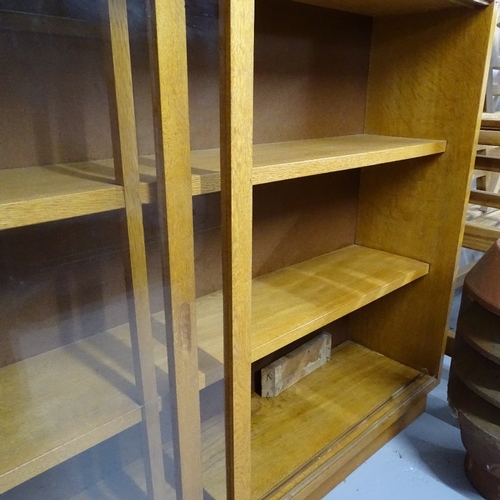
(290, 160)
(33, 195)
(62, 402)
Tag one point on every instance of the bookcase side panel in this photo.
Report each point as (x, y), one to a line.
(426, 80)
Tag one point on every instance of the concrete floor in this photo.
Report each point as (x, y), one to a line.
(425, 461)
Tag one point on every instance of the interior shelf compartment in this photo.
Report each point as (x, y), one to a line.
(62, 402)
(481, 329)
(292, 302)
(32, 195)
(310, 422)
(288, 160)
(327, 412)
(117, 486)
(391, 7)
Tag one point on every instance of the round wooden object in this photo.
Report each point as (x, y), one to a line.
(481, 330)
(483, 280)
(479, 426)
(487, 484)
(478, 373)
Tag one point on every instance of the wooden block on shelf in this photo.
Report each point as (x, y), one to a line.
(294, 366)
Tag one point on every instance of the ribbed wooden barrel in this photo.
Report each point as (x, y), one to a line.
(474, 385)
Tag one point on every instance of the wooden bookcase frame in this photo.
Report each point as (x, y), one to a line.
(415, 159)
(413, 81)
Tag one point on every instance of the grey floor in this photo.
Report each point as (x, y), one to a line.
(425, 461)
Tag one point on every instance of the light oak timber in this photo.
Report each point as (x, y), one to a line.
(65, 401)
(484, 198)
(490, 121)
(378, 8)
(291, 302)
(126, 165)
(478, 373)
(289, 160)
(462, 273)
(381, 417)
(318, 484)
(481, 329)
(168, 60)
(488, 163)
(87, 396)
(325, 414)
(309, 295)
(209, 325)
(117, 486)
(401, 84)
(489, 137)
(32, 195)
(236, 27)
(477, 237)
(50, 25)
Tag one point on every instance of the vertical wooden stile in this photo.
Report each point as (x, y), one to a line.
(167, 33)
(237, 38)
(127, 168)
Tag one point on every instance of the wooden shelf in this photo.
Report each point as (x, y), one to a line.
(307, 412)
(479, 237)
(391, 7)
(490, 121)
(117, 486)
(481, 329)
(67, 400)
(327, 411)
(478, 373)
(289, 160)
(33, 195)
(295, 301)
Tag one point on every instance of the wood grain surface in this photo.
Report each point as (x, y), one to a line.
(478, 237)
(175, 207)
(126, 163)
(236, 126)
(323, 414)
(407, 92)
(32, 195)
(289, 160)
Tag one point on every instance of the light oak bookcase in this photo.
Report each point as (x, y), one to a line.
(349, 221)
